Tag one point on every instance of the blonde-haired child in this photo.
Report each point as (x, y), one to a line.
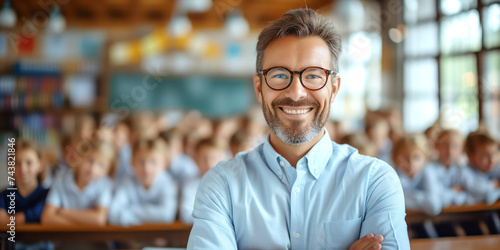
(30, 194)
(82, 196)
(410, 155)
(149, 196)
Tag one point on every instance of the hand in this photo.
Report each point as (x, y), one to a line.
(368, 242)
(496, 183)
(458, 188)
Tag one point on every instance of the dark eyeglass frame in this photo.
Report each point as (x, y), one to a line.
(327, 72)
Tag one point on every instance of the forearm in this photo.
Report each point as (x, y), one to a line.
(54, 219)
(4, 217)
(85, 217)
(148, 213)
(20, 218)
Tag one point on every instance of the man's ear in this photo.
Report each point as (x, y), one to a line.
(335, 88)
(257, 85)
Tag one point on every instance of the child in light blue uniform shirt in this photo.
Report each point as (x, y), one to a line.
(454, 185)
(151, 195)
(482, 151)
(208, 154)
(82, 196)
(181, 166)
(410, 155)
(121, 138)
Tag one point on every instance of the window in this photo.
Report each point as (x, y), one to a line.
(452, 64)
(359, 63)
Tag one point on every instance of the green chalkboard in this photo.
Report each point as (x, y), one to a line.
(212, 96)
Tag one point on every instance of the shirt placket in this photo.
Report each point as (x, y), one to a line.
(297, 208)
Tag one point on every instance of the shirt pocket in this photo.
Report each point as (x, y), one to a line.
(340, 234)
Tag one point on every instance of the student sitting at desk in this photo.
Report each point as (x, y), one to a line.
(151, 195)
(456, 184)
(410, 156)
(30, 194)
(82, 196)
(452, 186)
(482, 151)
(208, 154)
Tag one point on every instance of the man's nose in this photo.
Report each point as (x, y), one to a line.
(296, 90)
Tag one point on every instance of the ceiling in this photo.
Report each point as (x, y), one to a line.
(133, 13)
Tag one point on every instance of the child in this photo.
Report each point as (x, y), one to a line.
(449, 172)
(82, 196)
(181, 166)
(410, 155)
(121, 142)
(150, 196)
(30, 195)
(361, 142)
(482, 151)
(208, 154)
(377, 129)
(432, 133)
(240, 142)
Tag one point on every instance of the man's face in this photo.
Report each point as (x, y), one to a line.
(296, 115)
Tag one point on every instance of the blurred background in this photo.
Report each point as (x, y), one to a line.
(417, 63)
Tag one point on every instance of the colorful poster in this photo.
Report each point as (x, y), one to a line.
(26, 45)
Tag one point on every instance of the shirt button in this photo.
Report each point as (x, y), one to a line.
(282, 163)
(316, 172)
(297, 235)
(297, 189)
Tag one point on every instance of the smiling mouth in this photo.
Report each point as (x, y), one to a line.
(296, 111)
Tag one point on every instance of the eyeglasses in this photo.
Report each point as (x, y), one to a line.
(312, 78)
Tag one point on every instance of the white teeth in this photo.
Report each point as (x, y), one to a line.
(296, 112)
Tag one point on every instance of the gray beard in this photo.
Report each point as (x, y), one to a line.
(297, 135)
(295, 138)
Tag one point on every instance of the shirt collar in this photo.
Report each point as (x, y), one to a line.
(317, 157)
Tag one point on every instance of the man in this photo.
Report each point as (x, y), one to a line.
(299, 189)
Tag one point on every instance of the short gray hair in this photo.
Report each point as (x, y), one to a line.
(301, 23)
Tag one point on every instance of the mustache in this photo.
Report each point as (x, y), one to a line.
(289, 102)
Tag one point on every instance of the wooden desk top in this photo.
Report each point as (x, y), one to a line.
(460, 209)
(176, 233)
(485, 242)
(175, 226)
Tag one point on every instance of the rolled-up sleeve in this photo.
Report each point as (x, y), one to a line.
(213, 227)
(385, 208)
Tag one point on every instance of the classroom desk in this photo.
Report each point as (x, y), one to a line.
(453, 212)
(484, 242)
(176, 234)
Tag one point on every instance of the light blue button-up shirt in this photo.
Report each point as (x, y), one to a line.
(333, 197)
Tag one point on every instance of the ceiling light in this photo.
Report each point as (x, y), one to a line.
(236, 25)
(7, 15)
(57, 23)
(179, 25)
